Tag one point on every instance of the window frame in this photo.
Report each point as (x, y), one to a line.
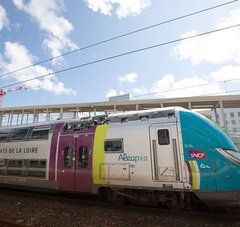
(168, 133)
(39, 129)
(7, 138)
(19, 140)
(36, 171)
(111, 140)
(64, 158)
(233, 122)
(75, 126)
(13, 169)
(83, 166)
(232, 115)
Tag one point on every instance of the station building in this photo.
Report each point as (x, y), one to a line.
(223, 110)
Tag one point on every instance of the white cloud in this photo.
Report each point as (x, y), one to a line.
(112, 92)
(168, 87)
(15, 56)
(230, 75)
(165, 83)
(140, 90)
(129, 78)
(227, 72)
(215, 48)
(48, 16)
(3, 18)
(122, 8)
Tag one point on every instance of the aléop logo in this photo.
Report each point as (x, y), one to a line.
(131, 158)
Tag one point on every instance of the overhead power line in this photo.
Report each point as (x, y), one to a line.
(217, 93)
(124, 54)
(221, 93)
(188, 87)
(121, 36)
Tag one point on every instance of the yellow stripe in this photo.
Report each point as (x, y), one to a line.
(195, 175)
(98, 155)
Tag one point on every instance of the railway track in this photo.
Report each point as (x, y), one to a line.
(71, 205)
(51, 207)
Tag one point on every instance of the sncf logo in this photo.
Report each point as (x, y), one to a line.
(194, 154)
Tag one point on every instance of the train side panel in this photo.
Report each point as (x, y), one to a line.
(124, 156)
(26, 161)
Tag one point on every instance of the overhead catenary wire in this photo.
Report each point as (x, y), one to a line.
(120, 36)
(223, 92)
(187, 87)
(217, 93)
(124, 54)
(209, 94)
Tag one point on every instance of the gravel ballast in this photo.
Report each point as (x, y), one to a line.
(34, 209)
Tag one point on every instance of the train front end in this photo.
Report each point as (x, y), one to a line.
(212, 161)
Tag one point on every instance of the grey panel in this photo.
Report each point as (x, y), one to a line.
(220, 199)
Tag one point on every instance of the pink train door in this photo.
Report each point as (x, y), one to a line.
(66, 161)
(75, 158)
(83, 175)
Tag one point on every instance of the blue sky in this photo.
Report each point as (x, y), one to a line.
(33, 30)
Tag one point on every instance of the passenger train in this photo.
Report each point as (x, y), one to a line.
(170, 156)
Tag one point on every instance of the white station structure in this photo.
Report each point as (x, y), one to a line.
(217, 106)
(29, 114)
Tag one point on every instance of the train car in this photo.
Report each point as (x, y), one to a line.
(170, 156)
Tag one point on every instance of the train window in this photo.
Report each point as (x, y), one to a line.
(83, 157)
(19, 134)
(36, 168)
(40, 134)
(113, 146)
(68, 127)
(42, 164)
(15, 163)
(14, 167)
(33, 163)
(76, 126)
(163, 137)
(68, 156)
(3, 136)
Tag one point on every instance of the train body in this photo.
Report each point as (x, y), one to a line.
(170, 155)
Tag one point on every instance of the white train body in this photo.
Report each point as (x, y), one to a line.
(173, 154)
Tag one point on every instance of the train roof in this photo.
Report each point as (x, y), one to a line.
(168, 112)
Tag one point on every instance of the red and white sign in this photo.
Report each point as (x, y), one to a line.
(195, 154)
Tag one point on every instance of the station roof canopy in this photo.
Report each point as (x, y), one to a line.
(196, 102)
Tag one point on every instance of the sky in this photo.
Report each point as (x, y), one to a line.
(36, 30)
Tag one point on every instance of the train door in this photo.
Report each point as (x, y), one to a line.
(66, 161)
(164, 144)
(83, 174)
(75, 161)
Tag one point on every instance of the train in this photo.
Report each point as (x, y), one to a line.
(171, 156)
